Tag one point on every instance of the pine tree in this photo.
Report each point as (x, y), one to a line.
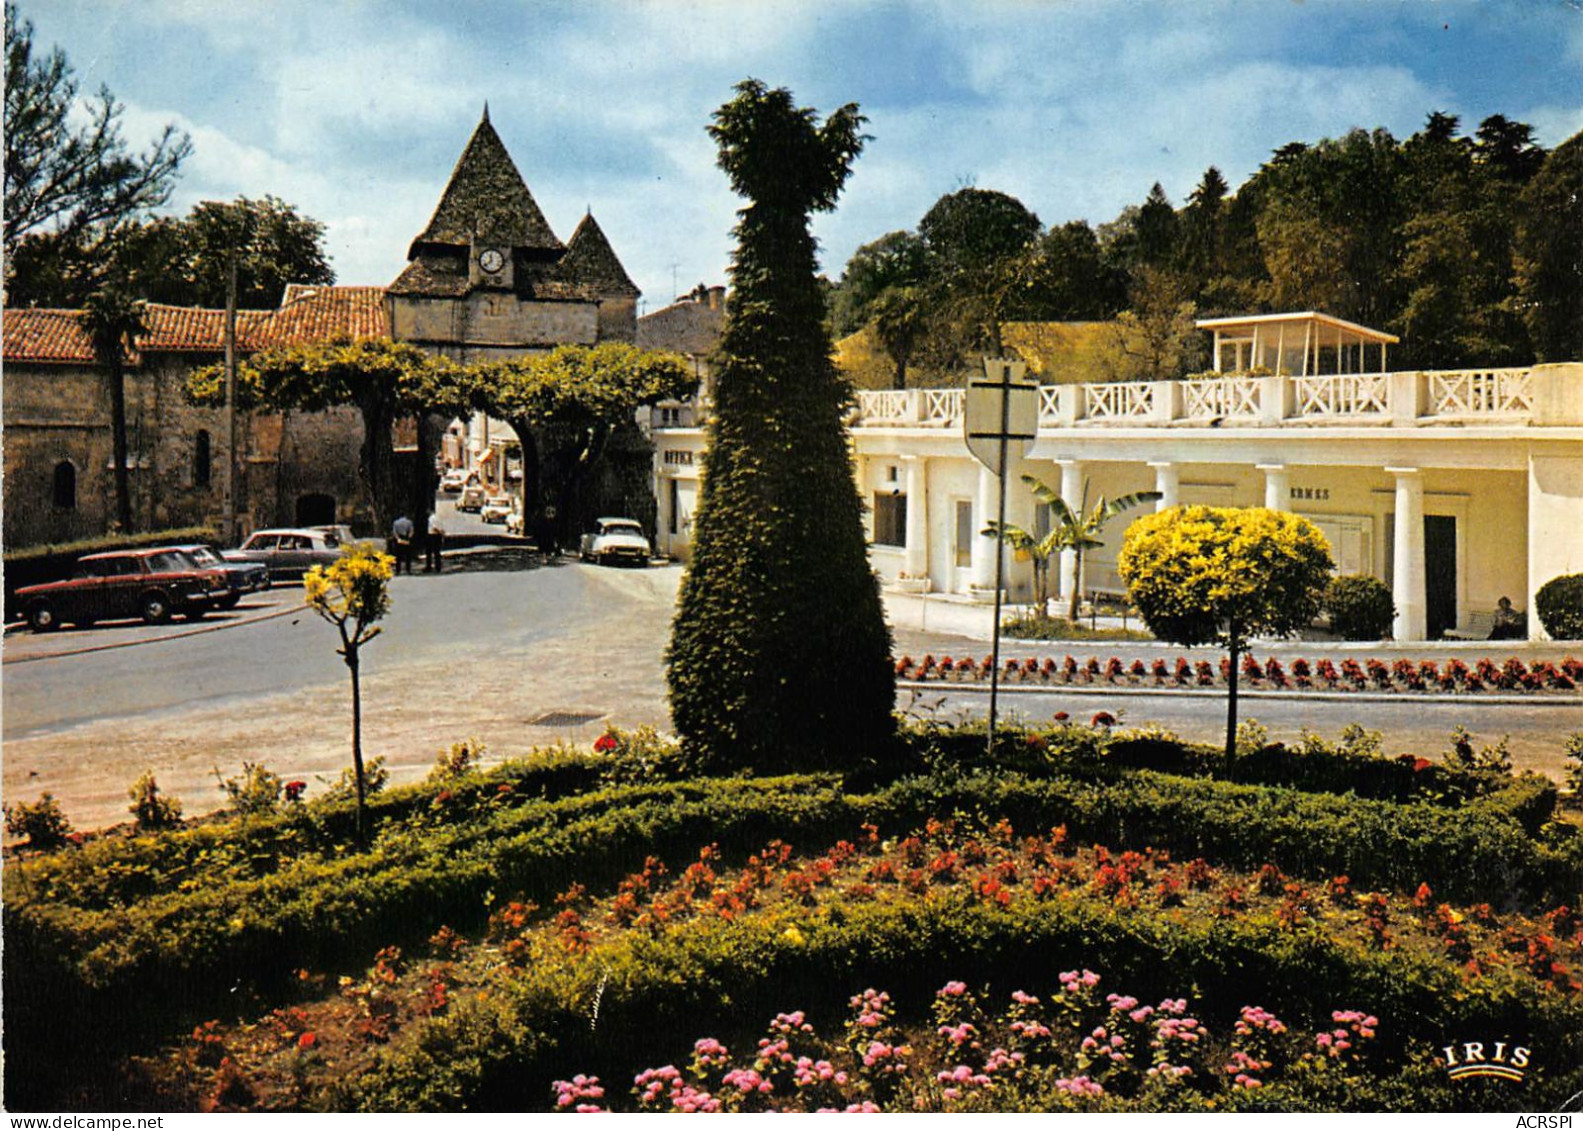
(780, 654)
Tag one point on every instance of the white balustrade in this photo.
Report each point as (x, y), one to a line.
(942, 406)
(1341, 396)
(885, 406)
(1218, 398)
(1496, 395)
(1126, 401)
(1478, 393)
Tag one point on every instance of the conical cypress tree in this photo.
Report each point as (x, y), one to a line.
(780, 656)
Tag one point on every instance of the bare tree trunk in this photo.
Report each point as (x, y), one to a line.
(1231, 703)
(357, 737)
(123, 486)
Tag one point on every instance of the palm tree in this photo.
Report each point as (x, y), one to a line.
(1075, 530)
(1038, 551)
(114, 321)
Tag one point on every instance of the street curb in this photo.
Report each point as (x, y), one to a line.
(196, 630)
(1479, 699)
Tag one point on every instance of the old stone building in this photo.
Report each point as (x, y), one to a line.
(487, 277)
(59, 469)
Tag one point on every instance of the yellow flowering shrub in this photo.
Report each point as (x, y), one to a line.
(354, 588)
(1204, 575)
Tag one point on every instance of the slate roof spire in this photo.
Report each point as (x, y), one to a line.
(486, 197)
(590, 259)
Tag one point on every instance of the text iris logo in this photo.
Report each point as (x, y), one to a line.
(1503, 1061)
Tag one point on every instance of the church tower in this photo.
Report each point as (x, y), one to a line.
(487, 276)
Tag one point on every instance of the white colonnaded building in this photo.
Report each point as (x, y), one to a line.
(1455, 487)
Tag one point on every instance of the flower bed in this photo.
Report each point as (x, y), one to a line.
(1272, 674)
(589, 988)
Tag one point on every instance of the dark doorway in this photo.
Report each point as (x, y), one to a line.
(1440, 574)
(315, 510)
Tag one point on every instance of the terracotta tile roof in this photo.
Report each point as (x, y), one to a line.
(487, 196)
(192, 329)
(45, 335)
(313, 313)
(306, 314)
(590, 259)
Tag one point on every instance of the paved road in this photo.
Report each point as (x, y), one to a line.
(500, 647)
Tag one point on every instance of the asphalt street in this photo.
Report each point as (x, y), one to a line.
(516, 653)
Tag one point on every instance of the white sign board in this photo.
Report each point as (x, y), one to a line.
(1000, 414)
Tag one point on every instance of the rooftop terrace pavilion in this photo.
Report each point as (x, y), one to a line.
(1455, 487)
(1303, 344)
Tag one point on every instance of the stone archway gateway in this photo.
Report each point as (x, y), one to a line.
(315, 509)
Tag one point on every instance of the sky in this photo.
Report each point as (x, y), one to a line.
(355, 111)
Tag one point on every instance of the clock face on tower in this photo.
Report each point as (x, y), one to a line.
(491, 261)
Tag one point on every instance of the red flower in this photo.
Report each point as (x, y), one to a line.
(295, 790)
(1060, 716)
(1104, 719)
(1421, 764)
(307, 1040)
(605, 743)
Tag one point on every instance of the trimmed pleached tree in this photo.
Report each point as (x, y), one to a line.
(780, 657)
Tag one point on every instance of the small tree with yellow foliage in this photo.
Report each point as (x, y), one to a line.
(352, 594)
(1221, 575)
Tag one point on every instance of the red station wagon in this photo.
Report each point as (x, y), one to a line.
(151, 584)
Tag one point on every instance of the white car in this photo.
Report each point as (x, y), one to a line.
(496, 510)
(452, 482)
(473, 498)
(615, 540)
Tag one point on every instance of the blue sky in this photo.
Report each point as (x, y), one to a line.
(356, 110)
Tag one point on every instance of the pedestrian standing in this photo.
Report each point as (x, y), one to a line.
(402, 531)
(436, 544)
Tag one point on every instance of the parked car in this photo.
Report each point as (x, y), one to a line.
(287, 553)
(615, 540)
(452, 482)
(496, 509)
(341, 532)
(472, 498)
(241, 578)
(514, 523)
(151, 584)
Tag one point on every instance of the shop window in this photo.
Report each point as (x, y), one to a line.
(890, 520)
(65, 486)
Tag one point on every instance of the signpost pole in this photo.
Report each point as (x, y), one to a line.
(1000, 417)
(1000, 573)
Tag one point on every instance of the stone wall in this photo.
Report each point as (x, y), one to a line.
(61, 413)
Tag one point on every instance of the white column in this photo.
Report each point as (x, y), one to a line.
(984, 510)
(1407, 588)
(1167, 481)
(1277, 486)
(917, 516)
(1072, 496)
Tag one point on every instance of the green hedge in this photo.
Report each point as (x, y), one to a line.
(716, 978)
(127, 938)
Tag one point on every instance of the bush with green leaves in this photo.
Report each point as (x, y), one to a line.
(42, 822)
(456, 760)
(255, 791)
(1559, 604)
(152, 810)
(1359, 606)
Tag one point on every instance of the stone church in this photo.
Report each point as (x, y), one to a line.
(486, 277)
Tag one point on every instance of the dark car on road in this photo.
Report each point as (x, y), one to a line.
(290, 552)
(241, 578)
(151, 584)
